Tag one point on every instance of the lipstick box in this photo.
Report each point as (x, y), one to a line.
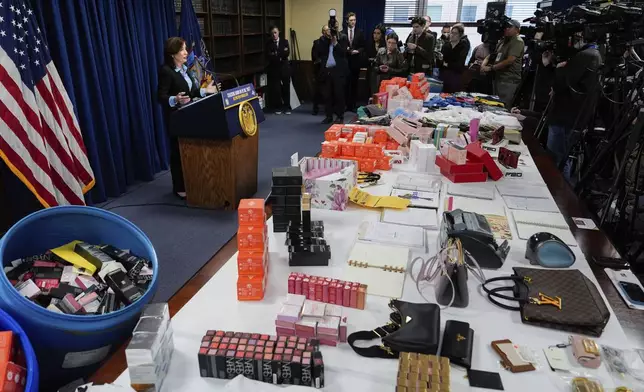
(239, 362)
(249, 366)
(251, 211)
(267, 368)
(313, 310)
(362, 296)
(291, 284)
(354, 297)
(289, 313)
(205, 368)
(318, 370)
(251, 237)
(93, 254)
(276, 367)
(251, 262)
(339, 293)
(230, 364)
(307, 374)
(251, 287)
(346, 296)
(123, 287)
(343, 330)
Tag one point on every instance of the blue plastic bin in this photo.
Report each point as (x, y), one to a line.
(7, 323)
(68, 346)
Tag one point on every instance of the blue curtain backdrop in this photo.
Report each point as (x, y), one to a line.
(370, 13)
(108, 53)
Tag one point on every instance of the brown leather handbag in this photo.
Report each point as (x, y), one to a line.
(565, 300)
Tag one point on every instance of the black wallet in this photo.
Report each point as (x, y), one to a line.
(458, 342)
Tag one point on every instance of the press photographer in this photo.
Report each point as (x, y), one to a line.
(506, 65)
(575, 80)
(332, 53)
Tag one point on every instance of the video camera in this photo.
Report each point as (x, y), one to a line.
(333, 22)
(615, 26)
(492, 27)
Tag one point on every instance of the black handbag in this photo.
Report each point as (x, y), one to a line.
(411, 328)
(564, 300)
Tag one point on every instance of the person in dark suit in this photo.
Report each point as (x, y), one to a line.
(279, 73)
(377, 41)
(334, 70)
(454, 55)
(318, 82)
(355, 52)
(420, 48)
(177, 87)
(389, 62)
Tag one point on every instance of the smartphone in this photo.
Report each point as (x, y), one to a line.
(633, 291)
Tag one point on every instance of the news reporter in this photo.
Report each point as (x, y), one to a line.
(454, 55)
(177, 87)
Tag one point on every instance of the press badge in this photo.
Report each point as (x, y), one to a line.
(498, 57)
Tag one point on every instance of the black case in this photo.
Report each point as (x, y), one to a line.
(458, 342)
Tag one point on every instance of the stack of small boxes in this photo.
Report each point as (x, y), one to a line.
(286, 198)
(310, 319)
(327, 290)
(252, 242)
(365, 145)
(421, 372)
(466, 164)
(13, 372)
(306, 243)
(271, 359)
(150, 351)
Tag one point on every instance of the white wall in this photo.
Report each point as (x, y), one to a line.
(307, 17)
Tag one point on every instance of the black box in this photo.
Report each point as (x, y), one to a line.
(290, 175)
(308, 259)
(318, 370)
(294, 190)
(279, 191)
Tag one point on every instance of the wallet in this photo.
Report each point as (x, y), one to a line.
(458, 342)
(510, 357)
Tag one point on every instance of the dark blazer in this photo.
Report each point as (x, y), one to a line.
(339, 53)
(277, 57)
(172, 83)
(371, 51)
(423, 57)
(315, 55)
(455, 56)
(359, 42)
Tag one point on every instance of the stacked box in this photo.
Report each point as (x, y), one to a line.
(456, 163)
(150, 351)
(306, 243)
(252, 243)
(304, 319)
(286, 198)
(327, 290)
(266, 358)
(421, 372)
(13, 368)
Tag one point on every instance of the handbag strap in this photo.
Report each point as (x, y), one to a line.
(495, 292)
(376, 351)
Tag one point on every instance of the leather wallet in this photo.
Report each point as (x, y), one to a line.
(510, 357)
(586, 352)
(458, 342)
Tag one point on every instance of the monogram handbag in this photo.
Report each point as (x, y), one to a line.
(565, 300)
(413, 328)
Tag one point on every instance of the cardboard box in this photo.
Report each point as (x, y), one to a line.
(251, 211)
(330, 192)
(251, 262)
(251, 237)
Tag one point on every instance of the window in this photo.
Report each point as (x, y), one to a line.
(468, 13)
(435, 12)
(398, 11)
(447, 12)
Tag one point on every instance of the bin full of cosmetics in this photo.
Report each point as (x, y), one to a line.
(150, 351)
(80, 278)
(13, 364)
(267, 358)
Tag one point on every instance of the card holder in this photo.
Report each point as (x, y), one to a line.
(510, 357)
(458, 342)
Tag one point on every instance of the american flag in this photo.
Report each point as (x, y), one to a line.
(40, 140)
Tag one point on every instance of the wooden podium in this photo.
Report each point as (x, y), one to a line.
(219, 143)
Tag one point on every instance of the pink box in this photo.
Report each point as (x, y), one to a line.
(343, 330)
(305, 287)
(319, 291)
(332, 291)
(304, 334)
(354, 297)
(339, 289)
(312, 286)
(285, 331)
(328, 342)
(298, 285)
(291, 284)
(325, 292)
(285, 324)
(346, 296)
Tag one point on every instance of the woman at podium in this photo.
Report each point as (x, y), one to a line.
(177, 87)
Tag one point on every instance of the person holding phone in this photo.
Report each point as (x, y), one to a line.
(389, 62)
(377, 42)
(177, 87)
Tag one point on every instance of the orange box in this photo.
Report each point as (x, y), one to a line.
(362, 150)
(250, 237)
(7, 349)
(251, 262)
(251, 287)
(12, 378)
(331, 134)
(330, 149)
(375, 151)
(384, 163)
(380, 136)
(368, 164)
(348, 149)
(347, 133)
(392, 146)
(251, 211)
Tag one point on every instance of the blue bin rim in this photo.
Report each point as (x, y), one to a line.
(27, 348)
(84, 210)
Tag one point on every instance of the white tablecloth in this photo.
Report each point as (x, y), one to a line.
(215, 307)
